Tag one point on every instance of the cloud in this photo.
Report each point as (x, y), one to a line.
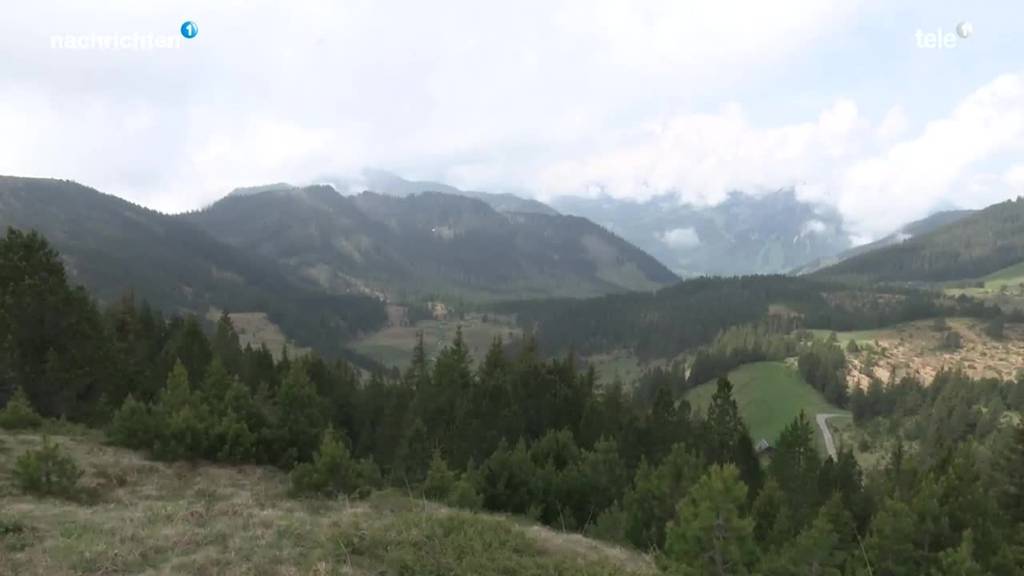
(270, 91)
(548, 97)
(913, 176)
(813, 227)
(680, 238)
(877, 181)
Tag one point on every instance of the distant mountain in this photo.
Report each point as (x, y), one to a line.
(905, 232)
(745, 234)
(111, 246)
(384, 182)
(428, 243)
(968, 245)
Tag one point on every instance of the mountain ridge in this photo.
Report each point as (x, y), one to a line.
(430, 242)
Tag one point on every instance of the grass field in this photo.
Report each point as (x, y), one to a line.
(393, 345)
(1004, 288)
(769, 395)
(155, 518)
(1011, 276)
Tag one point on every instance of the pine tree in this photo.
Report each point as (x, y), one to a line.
(795, 464)
(959, 561)
(710, 534)
(651, 503)
(19, 412)
(299, 418)
(890, 546)
(440, 479)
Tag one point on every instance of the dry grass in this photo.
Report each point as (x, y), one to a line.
(256, 329)
(393, 345)
(156, 518)
(914, 349)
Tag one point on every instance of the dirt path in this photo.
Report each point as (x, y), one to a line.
(830, 444)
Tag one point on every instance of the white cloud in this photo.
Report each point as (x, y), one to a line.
(554, 97)
(813, 227)
(295, 91)
(842, 158)
(705, 156)
(893, 125)
(680, 238)
(882, 191)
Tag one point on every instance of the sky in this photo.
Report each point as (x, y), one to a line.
(848, 102)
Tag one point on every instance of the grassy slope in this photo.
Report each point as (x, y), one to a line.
(155, 518)
(1011, 275)
(770, 395)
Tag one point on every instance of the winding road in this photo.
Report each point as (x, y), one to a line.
(830, 444)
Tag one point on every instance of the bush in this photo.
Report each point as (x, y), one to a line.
(133, 425)
(334, 471)
(47, 472)
(440, 480)
(952, 340)
(465, 495)
(995, 328)
(19, 413)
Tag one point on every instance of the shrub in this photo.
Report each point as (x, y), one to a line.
(47, 472)
(133, 425)
(952, 340)
(995, 328)
(440, 480)
(465, 495)
(334, 471)
(19, 413)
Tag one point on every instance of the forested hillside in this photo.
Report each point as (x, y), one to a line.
(112, 246)
(517, 434)
(970, 247)
(907, 231)
(429, 244)
(693, 312)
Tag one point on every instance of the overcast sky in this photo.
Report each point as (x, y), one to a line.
(547, 98)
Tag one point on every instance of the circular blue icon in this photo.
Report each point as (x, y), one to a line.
(189, 29)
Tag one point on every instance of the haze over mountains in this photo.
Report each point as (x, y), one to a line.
(320, 264)
(428, 243)
(746, 234)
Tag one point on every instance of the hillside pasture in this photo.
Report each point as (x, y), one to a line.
(769, 395)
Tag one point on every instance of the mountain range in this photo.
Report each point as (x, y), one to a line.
(428, 243)
(111, 246)
(320, 264)
(745, 234)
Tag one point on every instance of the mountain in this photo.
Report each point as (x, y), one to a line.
(917, 228)
(970, 246)
(745, 234)
(111, 245)
(384, 182)
(428, 243)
